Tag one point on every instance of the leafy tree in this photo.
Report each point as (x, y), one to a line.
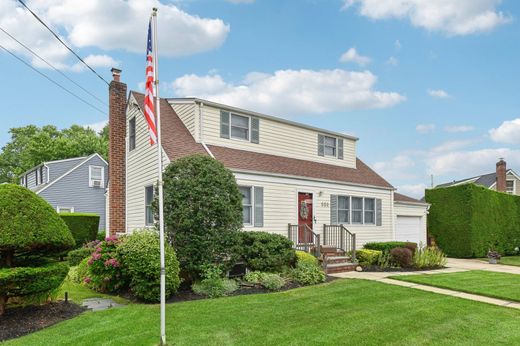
(202, 212)
(31, 145)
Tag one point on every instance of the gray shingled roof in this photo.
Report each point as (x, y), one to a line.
(486, 180)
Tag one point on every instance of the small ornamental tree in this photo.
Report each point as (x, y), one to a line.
(30, 233)
(202, 212)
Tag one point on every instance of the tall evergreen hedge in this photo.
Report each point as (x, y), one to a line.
(468, 220)
(83, 226)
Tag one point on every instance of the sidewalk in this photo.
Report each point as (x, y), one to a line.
(454, 265)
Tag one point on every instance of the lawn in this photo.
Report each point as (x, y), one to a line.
(486, 283)
(78, 292)
(510, 260)
(354, 312)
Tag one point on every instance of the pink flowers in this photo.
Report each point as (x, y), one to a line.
(112, 262)
(87, 280)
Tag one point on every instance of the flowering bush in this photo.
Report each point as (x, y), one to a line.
(105, 271)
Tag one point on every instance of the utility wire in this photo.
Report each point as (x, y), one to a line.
(52, 80)
(61, 41)
(54, 68)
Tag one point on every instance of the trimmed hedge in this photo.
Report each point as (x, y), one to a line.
(83, 226)
(302, 256)
(267, 252)
(367, 256)
(76, 256)
(387, 246)
(468, 220)
(27, 281)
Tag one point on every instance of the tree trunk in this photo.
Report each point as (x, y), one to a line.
(8, 261)
(3, 302)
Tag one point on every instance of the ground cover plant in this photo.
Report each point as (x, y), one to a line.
(288, 318)
(482, 282)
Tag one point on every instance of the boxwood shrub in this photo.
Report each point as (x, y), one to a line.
(267, 252)
(83, 226)
(76, 256)
(302, 256)
(386, 246)
(468, 220)
(368, 257)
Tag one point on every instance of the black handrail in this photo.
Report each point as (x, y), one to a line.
(304, 238)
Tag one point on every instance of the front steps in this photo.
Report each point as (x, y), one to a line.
(336, 261)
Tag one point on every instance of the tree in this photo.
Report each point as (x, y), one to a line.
(30, 233)
(31, 145)
(202, 212)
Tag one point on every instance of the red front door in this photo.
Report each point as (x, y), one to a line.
(305, 217)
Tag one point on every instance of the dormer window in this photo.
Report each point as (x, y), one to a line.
(239, 127)
(96, 176)
(329, 146)
(510, 187)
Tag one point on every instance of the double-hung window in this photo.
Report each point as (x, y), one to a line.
(148, 200)
(357, 210)
(239, 127)
(131, 134)
(370, 211)
(329, 146)
(343, 209)
(96, 176)
(510, 186)
(247, 204)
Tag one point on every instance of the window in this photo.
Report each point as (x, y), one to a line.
(247, 204)
(357, 210)
(22, 181)
(96, 176)
(41, 175)
(239, 127)
(343, 209)
(65, 209)
(131, 134)
(510, 186)
(329, 146)
(148, 200)
(370, 210)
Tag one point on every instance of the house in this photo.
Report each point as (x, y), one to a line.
(71, 185)
(502, 180)
(296, 180)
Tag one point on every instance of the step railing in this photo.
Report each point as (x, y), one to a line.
(341, 238)
(304, 238)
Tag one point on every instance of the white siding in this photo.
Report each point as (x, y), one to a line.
(280, 205)
(404, 209)
(141, 165)
(276, 138)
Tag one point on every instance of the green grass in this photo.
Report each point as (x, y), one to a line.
(510, 260)
(79, 292)
(485, 283)
(356, 312)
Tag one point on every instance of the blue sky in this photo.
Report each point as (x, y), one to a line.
(428, 87)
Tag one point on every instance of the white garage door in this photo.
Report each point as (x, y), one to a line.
(409, 228)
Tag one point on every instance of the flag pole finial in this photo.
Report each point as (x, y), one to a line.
(154, 10)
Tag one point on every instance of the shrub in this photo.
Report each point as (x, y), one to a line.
(467, 220)
(101, 235)
(308, 274)
(139, 256)
(271, 281)
(302, 256)
(76, 256)
(411, 246)
(80, 272)
(386, 246)
(429, 257)
(267, 251)
(30, 230)
(213, 285)
(105, 271)
(368, 257)
(83, 226)
(202, 212)
(401, 256)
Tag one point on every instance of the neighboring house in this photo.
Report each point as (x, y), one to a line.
(503, 180)
(293, 177)
(71, 185)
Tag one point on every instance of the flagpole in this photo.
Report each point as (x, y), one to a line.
(159, 155)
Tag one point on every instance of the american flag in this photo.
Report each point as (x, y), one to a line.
(148, 98)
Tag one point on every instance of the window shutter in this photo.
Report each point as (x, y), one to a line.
(259, 206)
(255, 130)
(334, 209)
(224, 124)
(379, 212)
(321, 145)
(340, 148)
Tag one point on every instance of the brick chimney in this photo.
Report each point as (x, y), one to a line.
(501, 175)
(117, 154)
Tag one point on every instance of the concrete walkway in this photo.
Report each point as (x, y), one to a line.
(453, 266)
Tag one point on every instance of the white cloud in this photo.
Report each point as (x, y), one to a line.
(392, 61)
(412, 190)
(449, 146)
(398, 167)
(351, 55)
(96, 61)
(458, 128)
(439, 93)
(97, 126)
(108, 25)
(507, 132)
(425, 128)
(452, 17)
(397, 44)
(241, 1)
(291, 92)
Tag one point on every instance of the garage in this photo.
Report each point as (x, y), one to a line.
(410, 219)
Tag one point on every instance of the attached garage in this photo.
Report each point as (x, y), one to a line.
(410, 219)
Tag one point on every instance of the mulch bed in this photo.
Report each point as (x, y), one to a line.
(379, 269)
(19, 321)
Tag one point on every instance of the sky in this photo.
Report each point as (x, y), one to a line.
(431, 88)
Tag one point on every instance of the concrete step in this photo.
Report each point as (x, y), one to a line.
(337, 259)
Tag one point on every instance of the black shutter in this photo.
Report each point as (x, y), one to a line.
(224, 124)
(379, 212)
(321, 145)
(259, 206)
(334, 209)
(255, 130)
